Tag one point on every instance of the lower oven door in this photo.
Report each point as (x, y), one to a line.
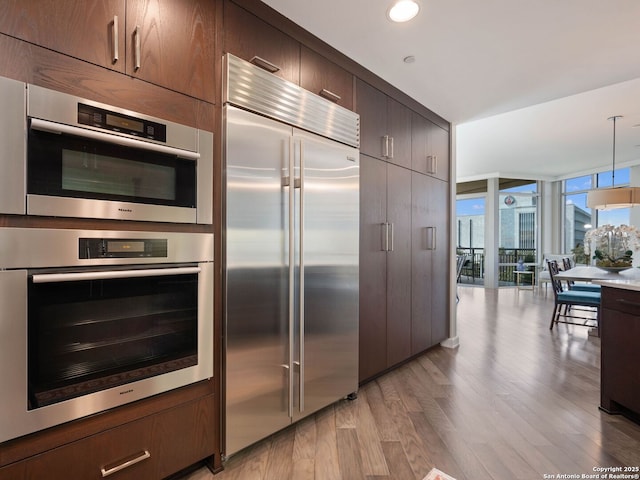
(92, 340)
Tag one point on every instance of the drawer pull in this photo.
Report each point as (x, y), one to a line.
(264, 64)
(628, 303)
(128, 463)
(329, 95)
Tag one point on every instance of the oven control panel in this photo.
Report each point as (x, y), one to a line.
(122, 248)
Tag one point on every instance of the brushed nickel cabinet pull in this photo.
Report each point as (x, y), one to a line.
(385, 236)
(106, 472)
(391, 147)
(136, 42)
(391, 241)
(385, 146)
(431, 238)
(432, 164)
(265, 64)
(114, 33)
(329, 95)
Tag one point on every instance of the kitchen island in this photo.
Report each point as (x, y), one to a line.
(620, 337)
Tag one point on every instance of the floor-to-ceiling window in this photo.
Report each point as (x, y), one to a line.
(470, 237)
(518, 227)
(578, 218)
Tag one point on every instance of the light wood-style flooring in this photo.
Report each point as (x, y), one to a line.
(514, 401)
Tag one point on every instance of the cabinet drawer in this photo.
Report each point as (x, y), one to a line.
(87, 458)
(620, 300)
(152, 447)
(325, 78)
(13, 472)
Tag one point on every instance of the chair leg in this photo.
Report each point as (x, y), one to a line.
(555, 315)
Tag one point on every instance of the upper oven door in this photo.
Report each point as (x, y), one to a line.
(79, 172)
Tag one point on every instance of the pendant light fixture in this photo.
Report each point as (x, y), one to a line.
(613, 197)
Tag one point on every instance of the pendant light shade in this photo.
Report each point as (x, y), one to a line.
(613, 197)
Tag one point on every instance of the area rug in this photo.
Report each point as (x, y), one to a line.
(436, 474)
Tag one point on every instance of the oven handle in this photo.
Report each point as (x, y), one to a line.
(79, 276)
(58, 128)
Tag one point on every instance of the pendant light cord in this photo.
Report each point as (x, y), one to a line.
(613, 170)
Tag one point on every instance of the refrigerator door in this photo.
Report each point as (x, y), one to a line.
(257, 362)
(326, 327)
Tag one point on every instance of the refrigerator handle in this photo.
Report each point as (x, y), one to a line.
(301, 273)
(291, 274)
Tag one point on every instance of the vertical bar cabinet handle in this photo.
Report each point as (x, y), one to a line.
(431, 238)
(390, 147)
(385, 146)
(432, 164)
(391, 241)
(136, 47)
(114, 33)
(385, 236)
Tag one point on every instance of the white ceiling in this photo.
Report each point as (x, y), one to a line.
(529, 84)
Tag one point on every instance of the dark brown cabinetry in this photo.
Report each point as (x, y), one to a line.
(429, 148)
(385, 259)
(325, 78)
(151, 447)
(170, 44)
(248, 37)
(429, 261)
(403, 264)
(385, 125)
(620, 336)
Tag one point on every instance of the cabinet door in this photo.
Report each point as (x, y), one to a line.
(429, 148)
(399, 265)
(371, 104)
(438, 148)
(429, 262)
(15, 471)
(325, 78)
(399, 128)
(439, 217)
(84, 30)
(247, 36)
(171, 44)
(373, 268)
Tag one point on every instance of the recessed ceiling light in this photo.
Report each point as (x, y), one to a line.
(403, 10)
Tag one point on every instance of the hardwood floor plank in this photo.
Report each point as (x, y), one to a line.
(370, 448)
(327, 461)
(386, 428)
(399, 466)
(304, 445)
(280, 462)
(349, 454)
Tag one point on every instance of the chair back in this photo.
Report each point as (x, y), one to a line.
(460, 261)
(553, 268)
(566, 263)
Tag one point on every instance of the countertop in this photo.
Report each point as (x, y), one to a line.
(622, 284)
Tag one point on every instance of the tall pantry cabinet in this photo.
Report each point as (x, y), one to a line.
(404, 237)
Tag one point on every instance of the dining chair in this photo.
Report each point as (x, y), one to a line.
(566, 299)
(460, 261)
(579, 287)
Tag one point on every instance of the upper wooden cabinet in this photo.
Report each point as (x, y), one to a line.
(325, 78)
(248, 37)
(170, 44)
(385, 125)
(429, 148)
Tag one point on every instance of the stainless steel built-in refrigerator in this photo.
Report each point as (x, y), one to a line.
(291, 260)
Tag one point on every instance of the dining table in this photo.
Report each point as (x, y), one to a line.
(588, 273)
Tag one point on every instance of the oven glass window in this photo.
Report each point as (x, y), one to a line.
(86, 336)
(94, 173)
(70, 166)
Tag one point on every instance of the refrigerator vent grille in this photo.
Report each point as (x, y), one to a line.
(250, 87)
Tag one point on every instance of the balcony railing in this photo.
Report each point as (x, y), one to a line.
(473, 269)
